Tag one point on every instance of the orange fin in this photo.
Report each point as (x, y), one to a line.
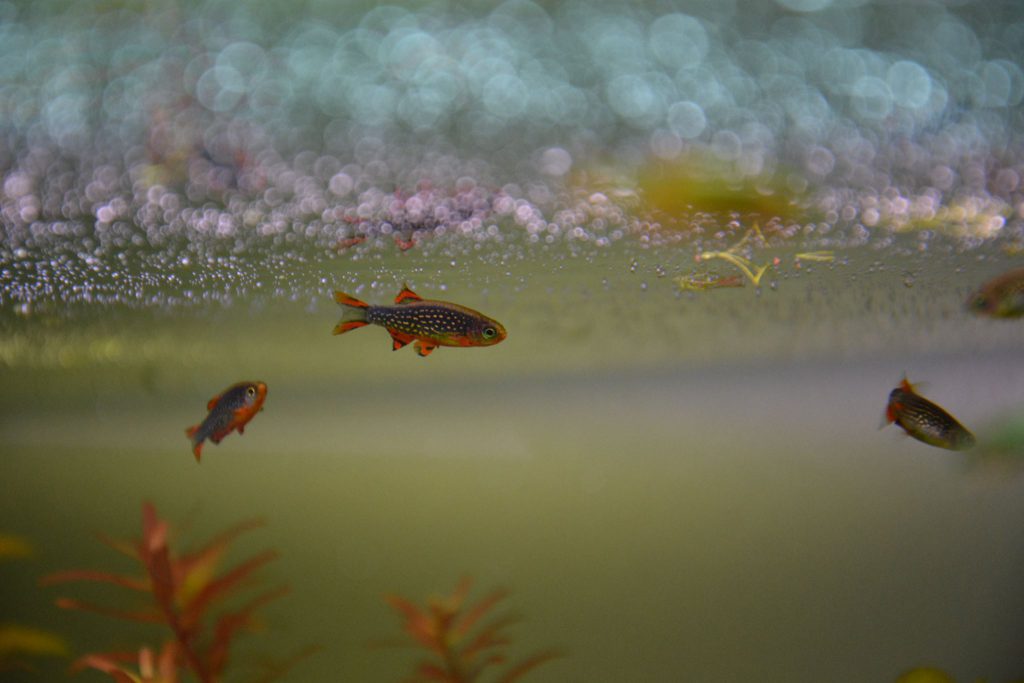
(346, 300)
(407, 295)
(197, 450)
(349, 325)
(424, 348)
(191, 431)
(890, 414)
(212, 403)
(398, 339)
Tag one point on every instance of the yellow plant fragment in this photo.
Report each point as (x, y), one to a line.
(24, 640)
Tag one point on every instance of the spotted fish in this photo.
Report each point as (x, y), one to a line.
(426, 322)
(230, 410)
(1000, 297)
(925, 421)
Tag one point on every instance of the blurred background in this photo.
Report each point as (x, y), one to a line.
(677, 482)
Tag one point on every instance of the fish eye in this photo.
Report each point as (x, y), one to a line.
(489, 332)
(251, 391)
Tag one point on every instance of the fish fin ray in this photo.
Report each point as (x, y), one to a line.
(346, 300)
(348, 325)
(197, 451)
(398, 339)
(407, 295)
(355, 313)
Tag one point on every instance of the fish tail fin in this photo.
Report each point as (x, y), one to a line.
(197, 444)
(888, 417)
(346, 300)
(355, 313)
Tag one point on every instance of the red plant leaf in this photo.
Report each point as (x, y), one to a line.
(154, 529)
(275, 670)
(527, 665)
(132, 582)
(221, 587)
(167, 663)
(477, 670)
(418, 624)
(481, 608)
(126, 548)
(148, 616)
(204, 559)
(108, 664)
(155, 558)
(94, 660)
(490, 636)
(432, 672)
(229, 624)
(461, 592)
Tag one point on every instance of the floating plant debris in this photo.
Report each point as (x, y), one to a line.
(700, 282)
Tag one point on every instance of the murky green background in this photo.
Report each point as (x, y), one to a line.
(675, 487)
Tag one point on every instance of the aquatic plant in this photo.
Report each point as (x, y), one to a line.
(17, 641)
(183, 589)
(462, 653)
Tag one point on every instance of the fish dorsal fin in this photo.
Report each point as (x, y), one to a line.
(213, 402)
(913, 388)
(407, 295)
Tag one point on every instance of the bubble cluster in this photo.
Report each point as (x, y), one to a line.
(139, 135)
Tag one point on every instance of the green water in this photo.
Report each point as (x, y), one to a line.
(674, 487)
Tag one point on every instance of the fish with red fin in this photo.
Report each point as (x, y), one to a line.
(229, 411)
(1000, 297)
(426, 322)
(924, 420)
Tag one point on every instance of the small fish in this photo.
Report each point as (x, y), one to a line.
(1000, 297)
(230, 410)
(429, 323)
(925, 421)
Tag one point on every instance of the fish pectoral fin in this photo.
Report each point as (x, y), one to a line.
(407, 295)
(399, 339)
(424, 349)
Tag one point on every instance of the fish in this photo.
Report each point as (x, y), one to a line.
(426, 322)
(230, 410)
(1000, 297)
(924, 420)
